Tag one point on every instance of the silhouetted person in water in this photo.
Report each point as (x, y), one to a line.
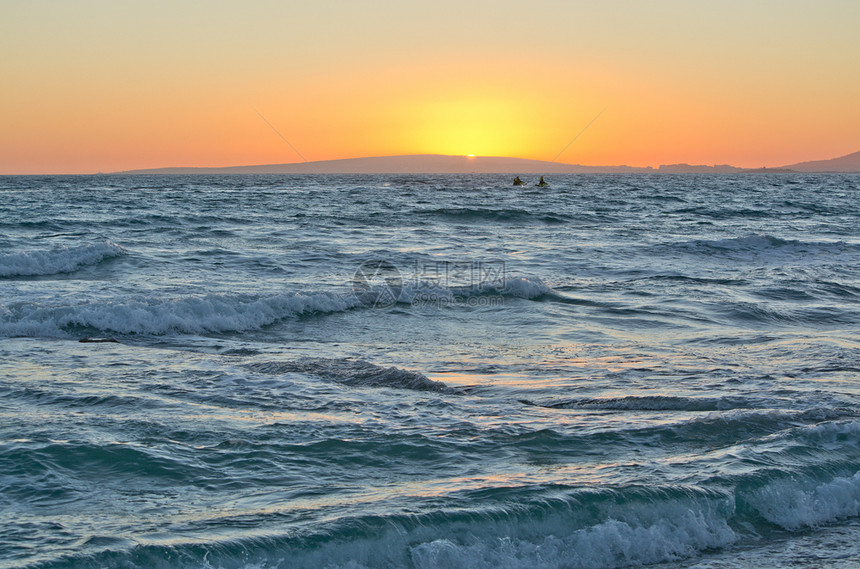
(518, 182)
(542, 183)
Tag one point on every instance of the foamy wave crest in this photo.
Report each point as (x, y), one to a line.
(526, 287)
(833, 434)
(547, 535)
(56, 261)
(190, 315)
(613, 543)
(794, 504)
(355, 372)
(559, 532)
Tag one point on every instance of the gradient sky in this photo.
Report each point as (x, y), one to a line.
(111, 85)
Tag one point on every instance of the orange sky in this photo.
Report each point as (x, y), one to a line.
(103, 86)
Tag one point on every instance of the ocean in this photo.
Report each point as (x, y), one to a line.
(430, 371)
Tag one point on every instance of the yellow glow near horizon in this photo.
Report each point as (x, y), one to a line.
(483, 125)
(98, 85)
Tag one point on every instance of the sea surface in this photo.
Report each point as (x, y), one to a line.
(430, 372)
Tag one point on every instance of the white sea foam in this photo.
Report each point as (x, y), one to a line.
(56, 261)
(613, 543)
(665, 531)
(794, 504)
(526, 287)
(190, 315)
(676, 533)
(212, 313)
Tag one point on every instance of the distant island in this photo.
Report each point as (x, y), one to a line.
(444, 164)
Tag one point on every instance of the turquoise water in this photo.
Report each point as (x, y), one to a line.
(430, 371)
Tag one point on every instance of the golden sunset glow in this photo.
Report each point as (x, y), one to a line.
(97, 85)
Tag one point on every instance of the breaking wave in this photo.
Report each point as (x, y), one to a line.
(561, 528)
(574, 530)
(57, 261)
(188, 315)
(795, 504)
(219, 313)
(525, 287)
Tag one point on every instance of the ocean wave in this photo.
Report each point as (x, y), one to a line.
(525, 287)
(705, 430)
(656, 403)
(220, 313)
(188, 315)
(795, 504)
(733, 425)
(57, 261)
(486, 527)
(89, 460)
(613, 543)
(727, 409)
(504, 215)
(724, 213)
(759, 313)
(357, 373)
(582, 530)
(760, 244)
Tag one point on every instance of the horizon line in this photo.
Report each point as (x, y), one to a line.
(552, 165)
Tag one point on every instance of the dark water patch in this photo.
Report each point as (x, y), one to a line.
(658, 403)
(780, 293)
(696, 430)
(723, 214)
(693, 280)
(838, 290)
(28, 540)
(761, 314)
(562, 296)
(95, 401)
(99, 461)
(668, 315)
(740, 338)
(241, 352)
(53, 226)
(355, 373)
(761, 246)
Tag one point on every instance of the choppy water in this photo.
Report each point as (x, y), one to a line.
(430, 372)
